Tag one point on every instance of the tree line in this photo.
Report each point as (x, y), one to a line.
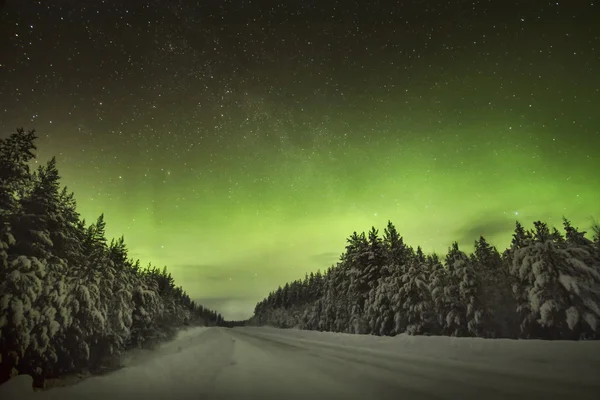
(546, 285)
(69, 299)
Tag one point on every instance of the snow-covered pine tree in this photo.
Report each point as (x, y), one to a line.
(396, 253)
(20, 289)
(384, 305)
(433, 266)
(437, 287)
(358, 264)
(377, 269)
(317, 286)
(285, 296)
(329, 298)
(340, 298)
(580, 276)
(313, 314)
(51, 317)
(37, 219)
(39, 215)
(121, 306)
(521, 238)
(415, 297)
(561, 292)
(313, 310)
(294, 294)
(68, 236)
(148, 309)
(16, 152)
(576, 238)
(494, 285)
(459, 293)
(386, 316)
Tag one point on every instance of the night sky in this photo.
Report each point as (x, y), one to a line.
(240, 142)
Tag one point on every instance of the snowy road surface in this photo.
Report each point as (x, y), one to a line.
(268, 363)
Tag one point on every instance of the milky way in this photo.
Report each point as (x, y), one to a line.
(239, 143)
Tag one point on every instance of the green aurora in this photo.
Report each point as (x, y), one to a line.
(244, 236)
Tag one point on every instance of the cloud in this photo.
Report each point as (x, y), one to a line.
(489, 228)
(496, 228)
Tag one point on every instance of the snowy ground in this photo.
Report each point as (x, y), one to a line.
(268, 363)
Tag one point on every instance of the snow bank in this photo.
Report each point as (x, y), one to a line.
(183, 339)
(17, 387)
(524, 353)
(140, 366)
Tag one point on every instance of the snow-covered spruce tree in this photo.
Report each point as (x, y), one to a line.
(264, 310)
(38, 214)
(521, 238)
(312, 309)
(34, 222)
(20, 290)
(377, 268)
(469, 292)
(311, 318)
(436, 279)
(285, 296)
(494, 291)
(48, 231)
(108, 274)
(328, 312)
(382, 310)
(16, 152)
(457, 297)
(415, 298)
(296, 293)
(337, 299)
(398, 296)
(575, 238)
(121, 305)
(357, 263)
(581, 278)
(20, 278)
(91, 287)
(317, 286)
(560, 293)
(396, 252)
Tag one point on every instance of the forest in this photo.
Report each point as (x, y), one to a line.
(71, 301)
(546, 285)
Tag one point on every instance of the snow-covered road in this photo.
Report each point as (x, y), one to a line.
(267, 363)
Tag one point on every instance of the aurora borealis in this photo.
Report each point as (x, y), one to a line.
(239, 143)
